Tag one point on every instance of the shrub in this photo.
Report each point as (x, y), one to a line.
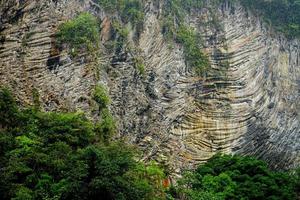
(101, 96)
(109, 5)
(168, 28)
(122, 33)
(139, 65)
(80, 33)
(106, 128)
(193, 54)
(130, 10)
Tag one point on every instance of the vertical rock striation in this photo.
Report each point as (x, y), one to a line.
(29, 59)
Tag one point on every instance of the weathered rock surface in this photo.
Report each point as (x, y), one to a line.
(248, 103)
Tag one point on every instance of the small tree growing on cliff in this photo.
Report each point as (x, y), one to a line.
(101, 97)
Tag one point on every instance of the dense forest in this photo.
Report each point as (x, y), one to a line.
(66, 156)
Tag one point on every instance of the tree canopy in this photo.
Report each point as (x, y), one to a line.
(66, 156)
(227, 177)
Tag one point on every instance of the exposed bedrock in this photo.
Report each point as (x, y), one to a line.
(248, 103)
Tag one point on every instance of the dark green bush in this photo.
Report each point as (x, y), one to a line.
(8, 108)
(227, 177)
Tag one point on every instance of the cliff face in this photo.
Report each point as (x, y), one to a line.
(248, 103)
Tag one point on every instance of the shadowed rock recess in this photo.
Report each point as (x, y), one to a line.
(248, 103)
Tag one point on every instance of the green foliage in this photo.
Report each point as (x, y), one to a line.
(122, 35)
(36, 98)
(168, 28)
(173, 28)
(106, 128)
(109, 5)
(130, 10)
(101, 96)
(236, 177)
(41, 146)
(57, 156)
(150, 179)
(282, 15)
(23, 193)
(122, 31)
(186, 36)
(8, 108)
(80, 33)
(139, 64)
(193, 54)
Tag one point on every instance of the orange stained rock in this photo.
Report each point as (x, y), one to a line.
(166, 183)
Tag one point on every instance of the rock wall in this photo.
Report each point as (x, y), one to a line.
(248, 103)
(29, 60)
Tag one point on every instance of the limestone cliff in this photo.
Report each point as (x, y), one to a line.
(249, 105)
